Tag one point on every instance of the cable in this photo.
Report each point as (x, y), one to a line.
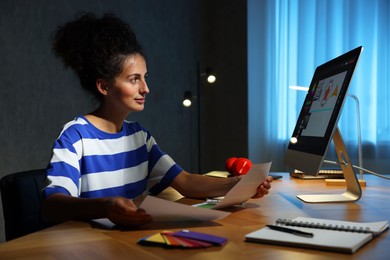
(359, 168)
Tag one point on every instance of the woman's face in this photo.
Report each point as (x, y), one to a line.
(128, 90)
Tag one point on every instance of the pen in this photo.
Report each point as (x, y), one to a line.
(291, 231)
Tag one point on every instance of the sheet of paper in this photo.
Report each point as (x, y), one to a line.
(164, 210)
(246, 187)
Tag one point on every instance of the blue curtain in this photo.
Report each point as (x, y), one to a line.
(287, 40)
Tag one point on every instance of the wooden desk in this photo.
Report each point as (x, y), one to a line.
(78, 240)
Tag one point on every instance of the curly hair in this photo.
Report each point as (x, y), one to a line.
(95, 48)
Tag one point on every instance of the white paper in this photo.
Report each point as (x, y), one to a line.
(165, 210)
(168, 211)
(246, 187)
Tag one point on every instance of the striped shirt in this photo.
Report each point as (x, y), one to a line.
(90, 163)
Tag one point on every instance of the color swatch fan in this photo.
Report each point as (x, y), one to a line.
(182, 239)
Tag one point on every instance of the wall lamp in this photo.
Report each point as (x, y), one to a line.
(187, 101)
(210, 78)
(209, 75)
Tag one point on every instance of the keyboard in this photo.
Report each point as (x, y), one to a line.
(322, 174)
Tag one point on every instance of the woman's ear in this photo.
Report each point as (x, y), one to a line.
(102, 86)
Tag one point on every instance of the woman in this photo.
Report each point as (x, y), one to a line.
(101, 162)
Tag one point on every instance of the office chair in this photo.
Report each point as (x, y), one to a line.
(21, 198)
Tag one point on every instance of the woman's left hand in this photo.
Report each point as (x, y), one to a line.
(263, 188)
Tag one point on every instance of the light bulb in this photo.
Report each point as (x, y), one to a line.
(211, 79)
(187, 102)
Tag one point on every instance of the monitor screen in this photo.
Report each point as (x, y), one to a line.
(320, 112)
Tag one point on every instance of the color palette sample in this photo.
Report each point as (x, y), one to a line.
(182, 239)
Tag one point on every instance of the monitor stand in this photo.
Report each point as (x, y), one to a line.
(353, 192)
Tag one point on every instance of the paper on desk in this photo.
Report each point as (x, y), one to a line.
(164, 210)
(246, 187)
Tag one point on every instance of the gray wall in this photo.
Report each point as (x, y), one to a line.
(224, 110)
(37, 95)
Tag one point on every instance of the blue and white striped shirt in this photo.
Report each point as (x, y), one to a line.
(90, 163)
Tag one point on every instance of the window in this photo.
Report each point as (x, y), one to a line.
(287, 40)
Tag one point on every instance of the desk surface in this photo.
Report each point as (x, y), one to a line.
(79, 240)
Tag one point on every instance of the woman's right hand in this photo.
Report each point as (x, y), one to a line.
(124, 212)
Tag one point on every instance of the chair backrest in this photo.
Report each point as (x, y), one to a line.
(21, 195)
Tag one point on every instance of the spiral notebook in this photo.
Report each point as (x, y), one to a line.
(328, 235)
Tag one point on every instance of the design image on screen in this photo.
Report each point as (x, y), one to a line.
(320, 107)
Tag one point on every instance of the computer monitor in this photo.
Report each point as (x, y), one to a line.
(316, 126)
